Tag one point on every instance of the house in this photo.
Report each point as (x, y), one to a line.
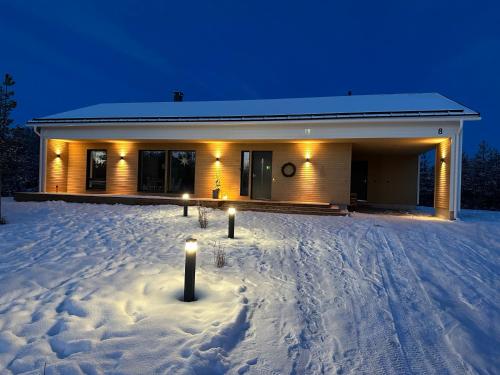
(324, 149)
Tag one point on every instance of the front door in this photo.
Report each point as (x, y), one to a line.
(262, 174)
(359, 179)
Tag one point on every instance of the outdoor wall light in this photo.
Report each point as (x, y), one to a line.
(122, 157)
(185, 198)
(443, 160)
(217, 159)
(190, 248)
(308, 160)
(231, 212)
(58, 155)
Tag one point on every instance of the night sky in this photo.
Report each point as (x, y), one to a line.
(69, 54)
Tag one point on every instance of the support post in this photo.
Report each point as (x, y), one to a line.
(42, 167)
(442, 180)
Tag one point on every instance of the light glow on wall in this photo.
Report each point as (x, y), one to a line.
(57, 159)
(442, 175)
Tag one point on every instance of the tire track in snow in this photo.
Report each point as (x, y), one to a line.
(419, 330)
(376, 348)
(311, 354)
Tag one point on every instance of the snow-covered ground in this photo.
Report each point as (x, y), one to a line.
(91, 289)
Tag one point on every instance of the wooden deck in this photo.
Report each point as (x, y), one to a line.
(305, 208)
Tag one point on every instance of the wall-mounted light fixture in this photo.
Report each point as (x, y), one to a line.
(217, 159)
(122, 157)
(308, 160)
(58, 155)
(443, 160)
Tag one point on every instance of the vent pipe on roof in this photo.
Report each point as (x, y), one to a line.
(178, 96)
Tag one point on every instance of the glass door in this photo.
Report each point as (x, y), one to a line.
(262, 174)
(151, 171)
(181, 171)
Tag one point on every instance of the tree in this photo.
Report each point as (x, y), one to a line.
(481, 179)
(7, 104)
(426, 180)
(21, 165)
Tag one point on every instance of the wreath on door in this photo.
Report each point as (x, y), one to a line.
(288, 169)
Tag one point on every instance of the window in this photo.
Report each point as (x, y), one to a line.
(244, 172)
(181, 171)
(96, 169)
(151, 177)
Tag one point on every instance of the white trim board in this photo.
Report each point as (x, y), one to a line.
(259, 131)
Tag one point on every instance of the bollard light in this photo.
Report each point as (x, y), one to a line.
(231, 212)
(190, 247)
(185, 198)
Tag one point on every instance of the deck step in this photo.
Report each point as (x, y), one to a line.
(290, 208)
(298, 211)
(285, 207)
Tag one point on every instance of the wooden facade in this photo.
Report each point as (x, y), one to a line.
(442, 179)
(326, 178)
(392, 179)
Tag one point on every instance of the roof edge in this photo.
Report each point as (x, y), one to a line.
(456, 114)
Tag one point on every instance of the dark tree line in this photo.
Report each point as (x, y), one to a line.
(480, 179)
(21, 163)
(18, 147)
(426, 181)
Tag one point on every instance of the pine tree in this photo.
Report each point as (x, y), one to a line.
(7, 104)
(426, 181)
(467, 182)
(481, 179)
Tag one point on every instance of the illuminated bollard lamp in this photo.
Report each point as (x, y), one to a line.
(191, 247)
(185, 198)
(231, 212)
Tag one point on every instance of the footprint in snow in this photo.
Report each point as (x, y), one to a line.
(246, 367)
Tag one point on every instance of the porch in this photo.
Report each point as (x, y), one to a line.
(306, 208)
(314, 177)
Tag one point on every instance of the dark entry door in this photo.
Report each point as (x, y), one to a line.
(262, 174)
(359, 179)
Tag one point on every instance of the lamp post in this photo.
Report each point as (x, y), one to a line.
(189, 272)
(185, 198)
(231, 212)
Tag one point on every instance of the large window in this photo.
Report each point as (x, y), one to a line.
(96, 169)
(244, 172)
(151, 177)
(181, 171)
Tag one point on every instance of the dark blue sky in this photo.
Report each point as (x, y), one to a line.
(69, 54)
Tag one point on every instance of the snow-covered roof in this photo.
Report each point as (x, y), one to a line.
(355, 106)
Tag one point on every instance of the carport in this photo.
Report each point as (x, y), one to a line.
(385, 173)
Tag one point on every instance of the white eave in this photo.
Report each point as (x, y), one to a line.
(245, 120)
(361, 108)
